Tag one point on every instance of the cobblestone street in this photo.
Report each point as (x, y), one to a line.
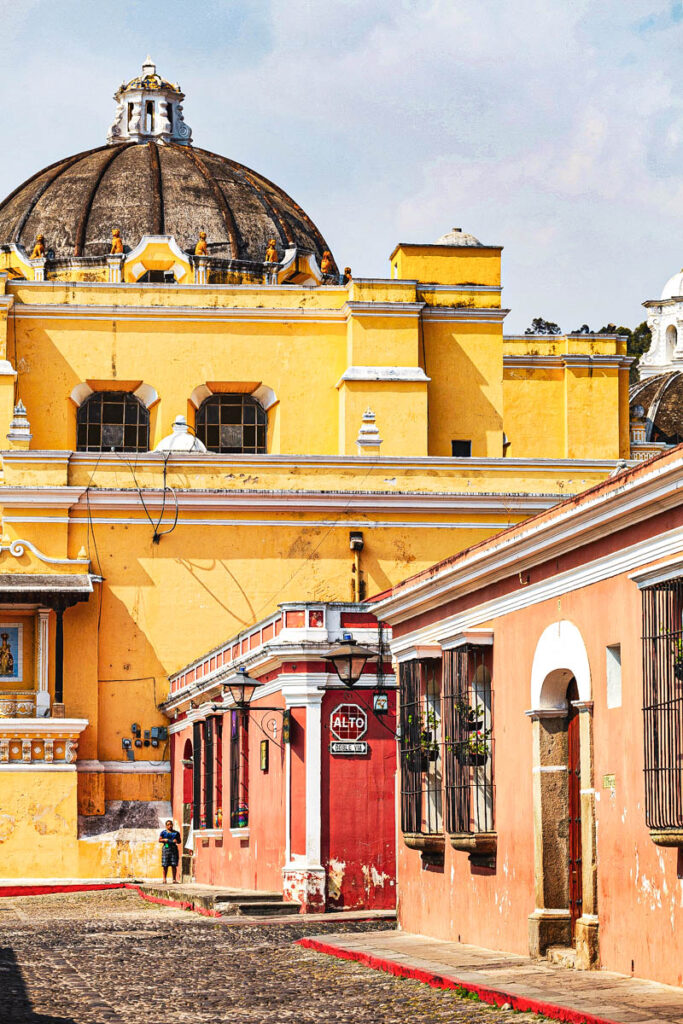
(93, 958)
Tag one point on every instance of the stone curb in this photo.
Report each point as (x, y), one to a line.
(46, 889)
(497, 997)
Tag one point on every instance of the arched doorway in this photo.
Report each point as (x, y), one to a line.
(575, 860)
(565, 862)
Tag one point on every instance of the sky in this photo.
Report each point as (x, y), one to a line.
(551, 127)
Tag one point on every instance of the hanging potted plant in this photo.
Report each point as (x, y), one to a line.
(678, 658)
(471, 715)
(429, 747)
(475, 750)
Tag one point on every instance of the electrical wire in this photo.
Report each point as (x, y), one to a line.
(156, 534)
(332, 526)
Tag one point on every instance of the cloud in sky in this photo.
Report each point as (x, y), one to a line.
(551, 127)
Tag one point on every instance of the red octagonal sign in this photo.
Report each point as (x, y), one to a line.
(348, 722)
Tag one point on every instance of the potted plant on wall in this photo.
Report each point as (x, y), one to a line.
(678, 658)
(475, 750)
(471, 715)
(419, 759)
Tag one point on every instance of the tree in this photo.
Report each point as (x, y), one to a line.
(637, 342)
(541, 326)
(583, 329)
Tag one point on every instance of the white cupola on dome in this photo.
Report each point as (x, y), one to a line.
(665, 320)
(149, 108)
(673, 287)
(180, 440)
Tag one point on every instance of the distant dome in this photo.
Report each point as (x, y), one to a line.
(150, 180)
(673, 287)
(662, 399)
(180, 440)
(456, 236)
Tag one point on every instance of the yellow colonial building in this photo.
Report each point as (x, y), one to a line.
(199, 408)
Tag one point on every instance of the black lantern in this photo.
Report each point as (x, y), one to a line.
(241, 688)
(349, 659)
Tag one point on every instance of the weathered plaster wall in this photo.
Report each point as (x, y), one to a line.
(358, 801)
(639, 885)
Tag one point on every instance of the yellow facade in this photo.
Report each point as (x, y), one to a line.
(424, 349)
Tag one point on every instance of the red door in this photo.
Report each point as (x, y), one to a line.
(574, 779)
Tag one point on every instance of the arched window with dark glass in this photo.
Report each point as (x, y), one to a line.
(112, 421)
(234, 424)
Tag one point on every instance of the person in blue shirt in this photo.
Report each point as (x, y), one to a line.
(170, 840)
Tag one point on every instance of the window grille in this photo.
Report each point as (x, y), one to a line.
(207, 815)
(196, 774)
(112, 421)
(663, 703)
(421, 807)
(232, 423)
(467, 740)
(239, 770)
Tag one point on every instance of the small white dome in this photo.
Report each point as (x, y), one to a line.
(456, 236)
(674, 286)
(181, 440)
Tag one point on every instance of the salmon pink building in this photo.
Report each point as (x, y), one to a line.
(293, 789)
(541, 720)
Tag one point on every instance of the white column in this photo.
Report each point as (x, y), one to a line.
(304, 878)
(288, 802)
(313, 778)
(43, 664)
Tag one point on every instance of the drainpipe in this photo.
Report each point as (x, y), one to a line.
(356, 545)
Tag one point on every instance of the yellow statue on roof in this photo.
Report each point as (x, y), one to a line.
(201, 248)
(116, 242)
(271, 252)
(39, 248)
(327, 263)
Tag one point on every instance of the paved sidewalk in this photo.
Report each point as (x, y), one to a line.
(593, 997)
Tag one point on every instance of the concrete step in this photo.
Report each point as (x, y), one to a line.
(563, 956)
(257, 908)
(247, 897)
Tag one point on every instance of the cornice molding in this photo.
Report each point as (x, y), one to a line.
(85, 500)
(572, 525)
(390, 374)
(481, 314)
(409, 462)
(565, 361)
(169, 314)
(586, 575)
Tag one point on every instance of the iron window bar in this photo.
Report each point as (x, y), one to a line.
(112, 421)
(468, 748)
(420, 748)
(663, 709)
(234, 424)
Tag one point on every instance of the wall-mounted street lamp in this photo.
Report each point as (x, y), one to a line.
(241, 688)
(349, 659)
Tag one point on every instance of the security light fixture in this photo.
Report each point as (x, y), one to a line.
(349, 659)
(241, 688)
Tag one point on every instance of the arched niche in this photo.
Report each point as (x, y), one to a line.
(670, 342)
(560, 654)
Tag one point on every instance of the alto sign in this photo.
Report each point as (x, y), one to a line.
(348, 723)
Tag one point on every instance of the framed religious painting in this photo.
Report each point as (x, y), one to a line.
(11, 652)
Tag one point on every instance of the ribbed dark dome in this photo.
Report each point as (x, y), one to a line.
(153, 189)
(662, 399)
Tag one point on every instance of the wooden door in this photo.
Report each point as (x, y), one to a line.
(574, 780)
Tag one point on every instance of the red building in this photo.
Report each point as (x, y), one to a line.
(541, 716)
(296, 791)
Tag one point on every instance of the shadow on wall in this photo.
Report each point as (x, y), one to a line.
(16, 1005)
